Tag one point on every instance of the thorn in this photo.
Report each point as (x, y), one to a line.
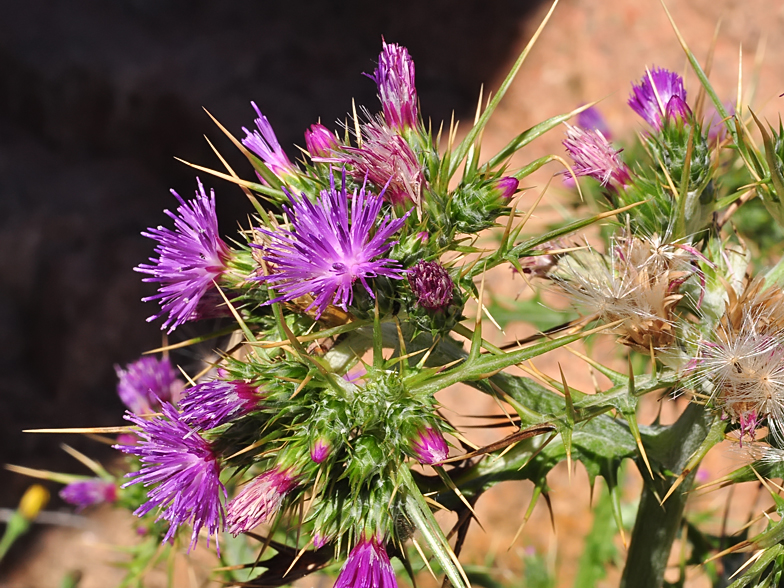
(675, 485)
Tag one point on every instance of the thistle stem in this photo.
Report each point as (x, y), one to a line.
(657, 524)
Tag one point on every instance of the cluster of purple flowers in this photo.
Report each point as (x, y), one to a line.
(659, 96)
(322, 246)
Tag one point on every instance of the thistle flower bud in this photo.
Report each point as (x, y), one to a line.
(320, 450)
(431, 285)
(145, 383)
(86, 493)
(677, 109)
(475, 205)
(211, 404)
(506, 187)
(367, 566)
(260, 499)
(394, 77)
(429, 446)
(320, 141)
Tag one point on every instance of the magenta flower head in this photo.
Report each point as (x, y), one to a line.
(651, 97)
(367, 566)
(190, 258)
(330, 248)
(183, 471)
(258, 500)
(320, 141)
(211, 404)
(594, 156)
(386, 160)
(429, 446)
(431, 285)
(265, 145)
(147, 382)
(86, 493)
(394, 77)
(506, 187)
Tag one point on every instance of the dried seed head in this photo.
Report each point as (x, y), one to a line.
(638, 282)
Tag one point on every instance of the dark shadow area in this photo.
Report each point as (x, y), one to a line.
(96, 98)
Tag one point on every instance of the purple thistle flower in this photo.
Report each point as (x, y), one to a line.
(592, 119)
(265, 145)
(190, 258)
(388, 161)
(86, 493)
(258, 500)
(367, 566)
(431, 284)
(211, 404)
(429, 446)
(184, 473)
(329, 249)
(147, 382)
(651, 98)
(506, 187)
(320, 141)
(320, 450)
(394, 77)
(594, 156)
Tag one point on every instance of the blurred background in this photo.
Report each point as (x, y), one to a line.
(97, 98)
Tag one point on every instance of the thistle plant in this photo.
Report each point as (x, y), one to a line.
(365, 255)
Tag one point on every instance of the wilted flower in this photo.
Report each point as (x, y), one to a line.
(594, 156)
(211, 404)
(329, 249)
(651, 98)
(431, 285)
(190, 258)
(264, 143)
(367, 566)
(394, 77)
(320, 141)
(387, 160)
(184, 473)
(86, 493)
(147, 382)
(258, 500)
(639, 283)
(429, 446)
(743, 360)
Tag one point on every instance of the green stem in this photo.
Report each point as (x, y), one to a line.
(657, 524)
